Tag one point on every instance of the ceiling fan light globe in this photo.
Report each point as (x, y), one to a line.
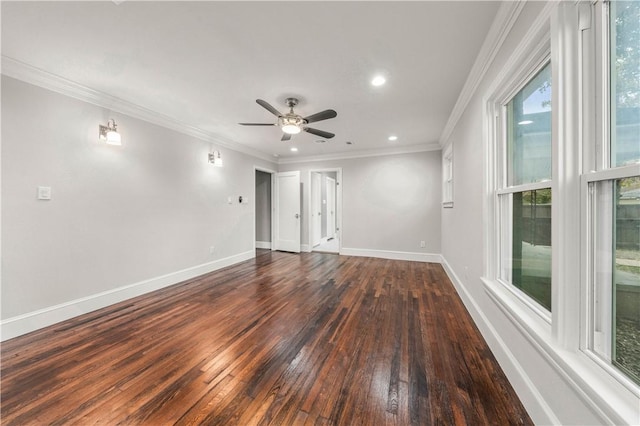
(291, 129)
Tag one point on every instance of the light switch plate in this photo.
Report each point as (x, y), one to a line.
(44, 193)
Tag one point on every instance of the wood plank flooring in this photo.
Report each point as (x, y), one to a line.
(283, 339)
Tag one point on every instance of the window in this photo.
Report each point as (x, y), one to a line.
(524, 195)
(626, 276)
(562, 201)
(613, 193)
(624, 61)
(529, 131)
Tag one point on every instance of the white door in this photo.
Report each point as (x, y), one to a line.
(331, 208)
(316, 209)
(287, 212)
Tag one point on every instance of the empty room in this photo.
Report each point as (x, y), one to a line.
(320, 212)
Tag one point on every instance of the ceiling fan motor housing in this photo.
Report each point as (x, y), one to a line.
(291, 102)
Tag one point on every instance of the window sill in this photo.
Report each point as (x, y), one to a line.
(533, 321)
(610, 399)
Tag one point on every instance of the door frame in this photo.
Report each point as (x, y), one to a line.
(315, 188)
(335, 206)
(255, 213)
(339, 184)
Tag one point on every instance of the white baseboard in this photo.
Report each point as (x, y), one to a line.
(26, 323)
(305, 248)
(263, 244)
(395, 255)
(536, 405)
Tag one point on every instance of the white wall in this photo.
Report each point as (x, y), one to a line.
(389, 203)
(119, 216)
(126, 220)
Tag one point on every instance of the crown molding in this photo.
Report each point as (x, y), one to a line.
(41, 78)
(362, 154)
(505, 19)
(532, 44)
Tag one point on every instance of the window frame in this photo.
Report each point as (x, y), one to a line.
(598, 167)
(497, 183)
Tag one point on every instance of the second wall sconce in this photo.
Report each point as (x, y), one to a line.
(109, 133)
(215, 158)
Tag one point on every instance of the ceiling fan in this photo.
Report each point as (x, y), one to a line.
(292, 123)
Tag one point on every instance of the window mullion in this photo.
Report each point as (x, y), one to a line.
(566, 159)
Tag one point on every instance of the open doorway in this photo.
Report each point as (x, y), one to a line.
(264, 209)
(325, 210)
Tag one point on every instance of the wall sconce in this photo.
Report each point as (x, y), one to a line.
(109, 133)
(215, 158)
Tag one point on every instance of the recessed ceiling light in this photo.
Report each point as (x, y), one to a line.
(378, 80)
(522, 123)
(349, 143)
(294, 149)
(393, 138)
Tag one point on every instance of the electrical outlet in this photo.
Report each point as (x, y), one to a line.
(423, 244)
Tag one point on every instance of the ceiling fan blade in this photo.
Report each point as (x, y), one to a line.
(320, 133)
(322, 115)
(256, 124)
(265, 105)
(286, 137)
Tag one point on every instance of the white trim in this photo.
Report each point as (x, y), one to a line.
(611, 174)
(505, 18)
(38, 77)
(305, 248)
(263, 244)
(594, 387)
(26, 323)
(393, 255)
(362, 154)
(524, 187)
(524, 57)
(532, 399)
(528, 58)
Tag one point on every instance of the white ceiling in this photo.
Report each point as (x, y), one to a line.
(205, 63)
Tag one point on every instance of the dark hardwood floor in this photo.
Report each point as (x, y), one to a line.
(282, 339)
